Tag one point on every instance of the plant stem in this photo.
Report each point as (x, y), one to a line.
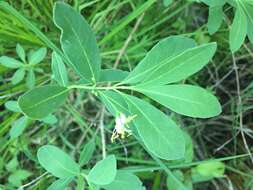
(102, 132)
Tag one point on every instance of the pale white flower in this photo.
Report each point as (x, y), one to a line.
(121, 128)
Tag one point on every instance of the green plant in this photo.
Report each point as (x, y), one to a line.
(172, 60)
(26, 66)
(21, 123)
(17, 175)
(242, 25)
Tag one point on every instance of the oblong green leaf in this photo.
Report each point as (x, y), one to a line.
(125, 181)
(104, 171)
(12, 106)
(161, 66)
(37, 56)
(41, 101)
(30, 79)
(87, 152)
(59, 70)
(18, 76)
(158, 132)
(238, 30)
(18, 127)
(161, 53)
(57, 162)
(182, 66)
(215, 18)
(10, 62)
(184, 99)
(21, 52)
(78, 42)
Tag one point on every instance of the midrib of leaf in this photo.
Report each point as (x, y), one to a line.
(152, 124)
(47, 99)
(62, 166)
(166, 95)
(164, 62)
(83, 50)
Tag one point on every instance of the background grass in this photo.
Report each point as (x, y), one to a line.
(126, 30)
